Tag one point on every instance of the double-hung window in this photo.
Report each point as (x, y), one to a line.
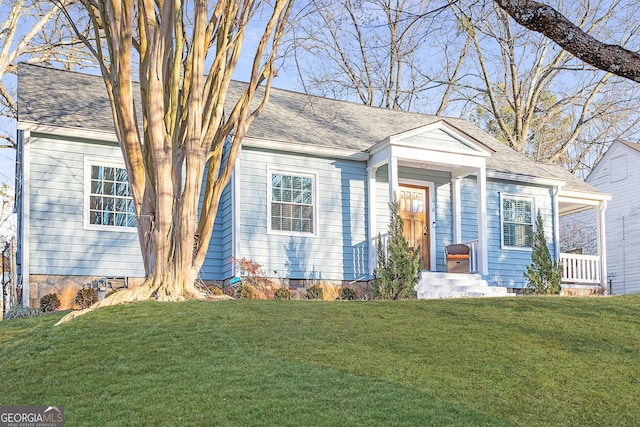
(109, 203)
(517, 221)
(292, 207)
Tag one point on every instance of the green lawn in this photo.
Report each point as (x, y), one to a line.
(519, 361)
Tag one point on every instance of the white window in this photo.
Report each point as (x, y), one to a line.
(517, 221)
(292, 207)
(108, 200)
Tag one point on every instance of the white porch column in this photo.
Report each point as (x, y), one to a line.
(556, 223)
(602, 244)
(457, 209)
(371, 205)
(393, 177)
(483, 255)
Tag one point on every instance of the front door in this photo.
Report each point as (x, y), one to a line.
(414, 211)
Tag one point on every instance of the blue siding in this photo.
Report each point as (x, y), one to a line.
(507, 266)
(216, 265)
(59, 244)
(339, 251)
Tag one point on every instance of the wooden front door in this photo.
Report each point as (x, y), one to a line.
(414, 211)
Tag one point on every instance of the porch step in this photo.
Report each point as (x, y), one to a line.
(448, 285)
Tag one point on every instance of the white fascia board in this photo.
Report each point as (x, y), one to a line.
(66, 131)
(293, 147)
(380, 157)
(525, 178)
(456, 133)
(431, 157)
(579, 197)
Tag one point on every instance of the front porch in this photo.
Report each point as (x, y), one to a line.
(581, 275)
(447, 196)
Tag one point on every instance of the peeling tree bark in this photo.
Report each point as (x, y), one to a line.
(548, 21)
(186, 55)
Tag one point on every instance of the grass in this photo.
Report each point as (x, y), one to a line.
(515, 361)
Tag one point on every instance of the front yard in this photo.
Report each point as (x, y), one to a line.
(525, 361)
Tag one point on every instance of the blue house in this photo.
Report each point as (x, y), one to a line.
(309, 196)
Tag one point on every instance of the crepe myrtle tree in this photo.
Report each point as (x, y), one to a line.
(183, 54)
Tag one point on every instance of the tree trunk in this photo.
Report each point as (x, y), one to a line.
(184, 124)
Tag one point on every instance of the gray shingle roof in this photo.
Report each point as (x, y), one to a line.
(74, 100)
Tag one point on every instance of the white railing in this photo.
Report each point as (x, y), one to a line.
(473, 255)
(578, 268)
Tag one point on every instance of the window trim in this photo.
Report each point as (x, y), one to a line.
(88, 163)
(531, 199)
(314, 191)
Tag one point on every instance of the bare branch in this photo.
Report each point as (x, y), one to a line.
(548, 21)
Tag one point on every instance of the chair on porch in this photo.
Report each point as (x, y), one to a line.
(457, 256)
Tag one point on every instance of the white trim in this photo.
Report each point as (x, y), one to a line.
(373, 255)
(556, 222)
(332, 152)
(431, 212)
(86, 193)
(456, 208)
(26, 235)
(602, 243)
(454, 132)
(68, 131)
(483, 226)
(533, 222)
(591, 199)
(316, 200)
(235, 203)
(392, 168)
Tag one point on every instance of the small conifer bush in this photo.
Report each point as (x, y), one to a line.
(86, 297)
(244, 291)
(315, 292)
(347, 293)
(544, 274)
(282, 293)
(49, 303)
(398, 270)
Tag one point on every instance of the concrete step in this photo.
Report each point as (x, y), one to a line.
(447, 285)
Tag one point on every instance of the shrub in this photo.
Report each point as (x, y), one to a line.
(20, 311)
(244, 291)
(210, 288)
(398, 270)
(347, 293)
(255, 277)
(315, 292)
(49, 303)
(545, 274)
(216, 290)
(86, 297)
(282, 293)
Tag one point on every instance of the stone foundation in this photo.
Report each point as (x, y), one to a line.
(65, 286)
(298, 287)
(582, 290)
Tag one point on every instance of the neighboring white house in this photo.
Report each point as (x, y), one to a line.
(618, 174)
